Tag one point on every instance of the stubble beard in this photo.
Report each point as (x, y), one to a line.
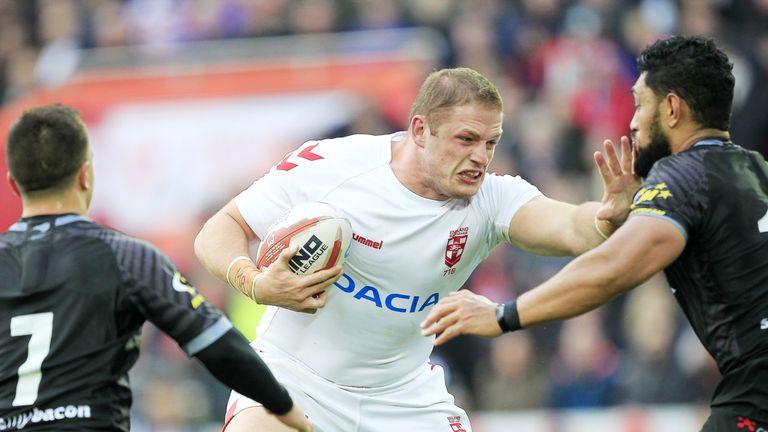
(657, 149)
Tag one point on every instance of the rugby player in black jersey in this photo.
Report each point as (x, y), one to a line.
(701, 216)
(75, 294)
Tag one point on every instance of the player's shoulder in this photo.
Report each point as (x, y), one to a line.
(8, 238)
(349, 151)
(9, 241)
(684, 170)
(495, 181)
(318, 165)
(503, 191)
(702, 156)
(675, 179)
(126, 248)
(357, 142)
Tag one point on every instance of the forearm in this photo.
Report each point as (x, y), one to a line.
(232, 361)
(554, 228)
(643, 247)
(585, 226)
(586, 283)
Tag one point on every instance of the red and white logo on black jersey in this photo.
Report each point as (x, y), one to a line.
(748, 424)
(457, 239)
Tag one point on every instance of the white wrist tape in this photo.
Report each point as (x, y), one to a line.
(232, 263)
(599, 231)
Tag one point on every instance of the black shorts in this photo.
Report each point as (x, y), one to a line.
(724, 421)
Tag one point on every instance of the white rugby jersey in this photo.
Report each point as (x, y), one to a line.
(407, 253)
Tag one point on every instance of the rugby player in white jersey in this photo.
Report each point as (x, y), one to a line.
(346, 342)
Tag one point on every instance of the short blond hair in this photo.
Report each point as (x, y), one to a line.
(448, 88)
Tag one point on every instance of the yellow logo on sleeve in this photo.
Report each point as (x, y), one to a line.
(650, 193)
(180, 284)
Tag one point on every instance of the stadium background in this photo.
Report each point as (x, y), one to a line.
(188, 101)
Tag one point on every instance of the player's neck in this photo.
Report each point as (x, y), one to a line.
(402, 162)
(68, 202)
(691, 138)
(406, 165)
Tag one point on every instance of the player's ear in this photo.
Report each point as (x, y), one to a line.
(674, 106)
(84, 174)
(419, 129)
(13, 184)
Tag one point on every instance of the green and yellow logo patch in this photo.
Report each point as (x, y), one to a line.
(650, 193)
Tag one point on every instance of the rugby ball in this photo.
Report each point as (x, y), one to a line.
(321, 232)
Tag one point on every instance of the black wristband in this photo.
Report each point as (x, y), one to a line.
(510, 321)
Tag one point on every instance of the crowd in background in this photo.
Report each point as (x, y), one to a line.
(564, 67)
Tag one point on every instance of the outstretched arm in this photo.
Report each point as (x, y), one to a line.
(548, 227)
(641, 248)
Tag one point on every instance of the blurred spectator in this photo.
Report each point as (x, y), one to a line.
(584, 372)
(379, 14)
(514, 380)
(106, 24)
(492, 278)
(313, 16)
(750, 121)
(650, 372)
(473, 38)
(565, 68)
(460, 358)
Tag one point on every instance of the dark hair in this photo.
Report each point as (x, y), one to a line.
(46, 147)
(696, 70)
(449, 88)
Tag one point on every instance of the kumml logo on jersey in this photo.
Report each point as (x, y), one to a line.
(457, 240)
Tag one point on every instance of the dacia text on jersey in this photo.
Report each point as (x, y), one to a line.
(395, 302)
(20, 421)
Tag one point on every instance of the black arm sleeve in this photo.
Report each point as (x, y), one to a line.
(232, 361)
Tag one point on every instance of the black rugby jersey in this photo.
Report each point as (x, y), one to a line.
(716, 193)
(73, 298)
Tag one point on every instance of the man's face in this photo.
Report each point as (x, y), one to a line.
(646, 129)
(458, 151)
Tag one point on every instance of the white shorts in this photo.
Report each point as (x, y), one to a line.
(419, 403)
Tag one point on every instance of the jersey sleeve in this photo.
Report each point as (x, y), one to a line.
(675, 191)
(163, 296)
(505, 195)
